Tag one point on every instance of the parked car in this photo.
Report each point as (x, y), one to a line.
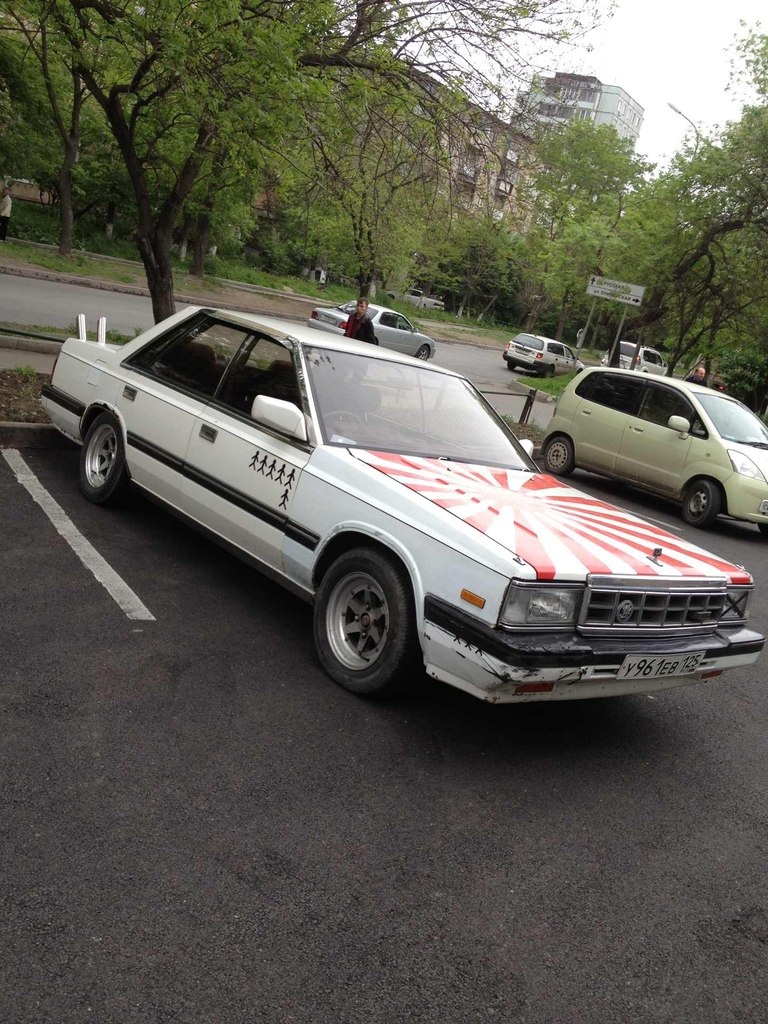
(540, 355)
(388, 494)
(648, 359)
(686, 442)
(391, 328)
(418, 298)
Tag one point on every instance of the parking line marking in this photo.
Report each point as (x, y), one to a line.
(114, 584)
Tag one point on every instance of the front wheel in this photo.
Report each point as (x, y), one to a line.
(423, 352)
(365, 625)
(102, 472)
(701, 503)
(558, 455)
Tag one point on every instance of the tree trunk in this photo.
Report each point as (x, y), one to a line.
(200, 244)
(109, 229)
(71, 141)
(155, 251)
(64, 187)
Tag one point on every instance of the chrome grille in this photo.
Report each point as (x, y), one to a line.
(636, 606)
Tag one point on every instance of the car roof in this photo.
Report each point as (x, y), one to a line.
(373, 307)
(541, 337)
(646, 378)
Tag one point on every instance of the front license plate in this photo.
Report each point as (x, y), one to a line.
(651, 666)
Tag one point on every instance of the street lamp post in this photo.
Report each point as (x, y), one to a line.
(690, 122)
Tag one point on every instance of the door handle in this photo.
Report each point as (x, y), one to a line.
(129, 393)
(208, 433)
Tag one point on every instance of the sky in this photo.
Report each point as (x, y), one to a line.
(671, 51)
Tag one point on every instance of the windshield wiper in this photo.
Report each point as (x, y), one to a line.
(755, 444)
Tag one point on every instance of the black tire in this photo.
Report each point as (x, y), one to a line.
(701, 502)
(423, 352)
(102, 472)
(549, 371)
(763, 528)
(365, 626)
(510, 364)
(558, 455)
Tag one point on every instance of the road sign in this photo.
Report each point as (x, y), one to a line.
(619, 291)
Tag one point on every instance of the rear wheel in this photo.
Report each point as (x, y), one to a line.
(549, 371)
(701, 502)
(365, 625)
(102, 471)
(510, 364)
(558, 455)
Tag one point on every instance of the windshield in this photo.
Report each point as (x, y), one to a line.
(412, 410)
(733, 421)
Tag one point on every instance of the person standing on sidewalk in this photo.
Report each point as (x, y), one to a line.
(360, 325)
(5, 213)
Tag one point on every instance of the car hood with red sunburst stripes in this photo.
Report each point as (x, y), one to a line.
(563, 533)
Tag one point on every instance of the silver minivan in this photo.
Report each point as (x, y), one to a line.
(542, 356)
(648, 359)
(683, 441)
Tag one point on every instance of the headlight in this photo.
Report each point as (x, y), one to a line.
(743, 465)
(541, 606)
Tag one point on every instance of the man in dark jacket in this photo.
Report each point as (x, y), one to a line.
(359, 325)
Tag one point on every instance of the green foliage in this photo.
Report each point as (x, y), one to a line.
(745, 372)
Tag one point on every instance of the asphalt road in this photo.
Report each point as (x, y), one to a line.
(199, 827)
(57, 304)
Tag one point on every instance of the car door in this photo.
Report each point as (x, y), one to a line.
(556, 353)
(650, 452)
(606, 401)
(241, 476)
(570, 360)
(167, 385)
(394, 331)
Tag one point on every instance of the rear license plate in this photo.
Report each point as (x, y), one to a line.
(651, 666)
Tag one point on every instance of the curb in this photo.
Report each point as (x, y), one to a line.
(50, 348)
(32, 435)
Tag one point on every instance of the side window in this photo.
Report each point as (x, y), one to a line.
(614, 391)
(569, 352)
(403, 324)
(195, 356)
(659, 403)
(388, 319)
(263, 367)
(555, 348)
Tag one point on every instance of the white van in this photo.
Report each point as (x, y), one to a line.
(648, 359)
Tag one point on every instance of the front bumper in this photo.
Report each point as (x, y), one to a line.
(502, 666)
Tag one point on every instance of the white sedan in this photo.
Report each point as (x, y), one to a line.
(391, 496)
(392, 329)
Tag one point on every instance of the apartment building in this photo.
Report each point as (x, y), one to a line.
(564, 97)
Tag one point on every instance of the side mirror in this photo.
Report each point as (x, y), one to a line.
(680, 425)
(284, 417)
